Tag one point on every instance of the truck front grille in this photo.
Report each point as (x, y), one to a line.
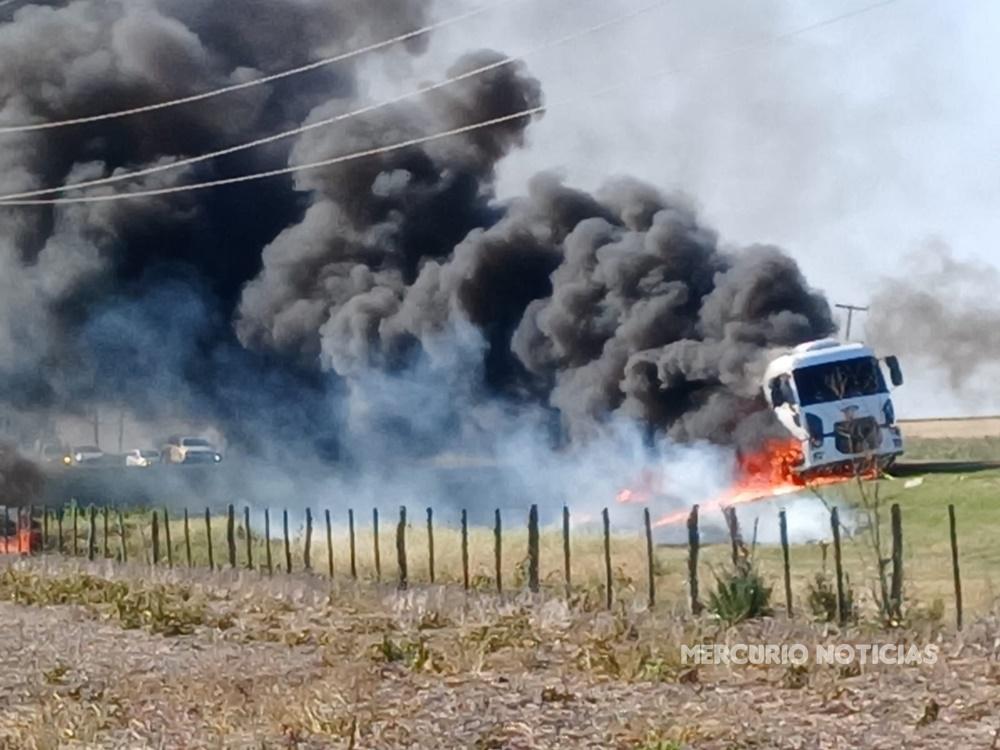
(857, 436)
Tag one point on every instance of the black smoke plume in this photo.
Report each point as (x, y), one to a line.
(21, 482)
(295, 310)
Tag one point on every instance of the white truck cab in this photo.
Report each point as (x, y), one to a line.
(833, 398)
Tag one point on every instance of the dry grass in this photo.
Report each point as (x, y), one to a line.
(927, 556)
(295, 662)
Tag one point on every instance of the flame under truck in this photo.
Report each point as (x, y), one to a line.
(834, 400)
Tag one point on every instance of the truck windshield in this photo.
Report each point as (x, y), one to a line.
(834, 381)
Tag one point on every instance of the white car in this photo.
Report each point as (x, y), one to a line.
(190, 450)
(142, 458)
(87, 454)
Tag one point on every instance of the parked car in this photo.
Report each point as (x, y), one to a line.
(87, 454)
(53, 453)
(190, 450)
(142, 458)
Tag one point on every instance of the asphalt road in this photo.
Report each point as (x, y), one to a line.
(916, 468)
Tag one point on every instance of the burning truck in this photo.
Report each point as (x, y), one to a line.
(834, 400)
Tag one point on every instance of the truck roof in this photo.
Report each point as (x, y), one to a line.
(815, 353)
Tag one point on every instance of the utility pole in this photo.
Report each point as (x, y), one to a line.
(851, 309)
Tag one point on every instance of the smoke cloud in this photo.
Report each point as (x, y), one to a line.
(388, 312)
(942, 314)
(21, 481)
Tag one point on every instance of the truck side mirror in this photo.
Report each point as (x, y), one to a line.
(787, 394)
(781, 392)
(895, 372)
(777, 397)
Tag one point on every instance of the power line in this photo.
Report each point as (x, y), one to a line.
(285, 170)
(422, 31)
(475, 72)
(400, 145)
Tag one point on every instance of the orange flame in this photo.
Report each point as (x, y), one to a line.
(763, 475)
(646, 488)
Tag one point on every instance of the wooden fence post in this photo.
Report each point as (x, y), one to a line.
(352, 544)
(31, 527)
(156, 538)
(694, 546)
(953, 533)
(92, 541)
(838, 565)
(288, 541)
(498, 549)
(45, 528)
(104, 513)
(650, 556)
(267, 541)
(533, 550)
(608, 591)
(430, 544)
(6, 529)
(167, 539)
(567, 573)
(208, 533)
(60, 513)
(307, 552)
(76, 530)
(735, 537)
(401, 549)
(896, 583)
(249, 533)
(329, 543)
(187, 538)
(465, 549)
(231, 534)
(786, 561)
(378, 550)
(121, 536)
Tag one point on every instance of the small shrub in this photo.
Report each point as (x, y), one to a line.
(482, 582)
(795, 677)
(557, 695)
(159, 608)
(520, 579)
(508, 631)
(822, 599)
(920, 616)
(414, 655)
(740, 595)
(598, 656)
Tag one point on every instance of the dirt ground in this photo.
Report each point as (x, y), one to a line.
(277, 666)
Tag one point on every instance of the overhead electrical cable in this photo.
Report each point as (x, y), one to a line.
(415, 33)
(400, 145)
(328, 121)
